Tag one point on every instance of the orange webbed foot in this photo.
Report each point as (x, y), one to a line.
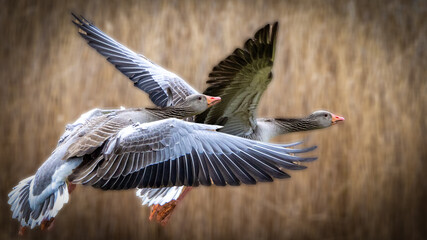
(47, 224)
(22, 230)
(163, 213)
(71, 187)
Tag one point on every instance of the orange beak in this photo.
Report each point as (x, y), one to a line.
(336, 119)
(212, 100)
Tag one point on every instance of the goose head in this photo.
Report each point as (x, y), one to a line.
(198, 103)
(324, 119)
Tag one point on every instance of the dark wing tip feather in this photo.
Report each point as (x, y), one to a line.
(274, 38)
(79, 20)
(309, 159)
(254, 48)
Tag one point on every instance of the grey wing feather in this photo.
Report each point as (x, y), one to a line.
(147, 76)
(173, 152)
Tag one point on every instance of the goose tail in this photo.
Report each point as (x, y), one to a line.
(45, 212)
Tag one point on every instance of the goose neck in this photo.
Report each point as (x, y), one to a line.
(170, 112)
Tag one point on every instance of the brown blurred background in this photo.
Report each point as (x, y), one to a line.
(363, 60)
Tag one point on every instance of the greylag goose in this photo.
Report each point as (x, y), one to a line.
(240, 80)
(114, 151)
(175, 97)
(138, 148)
(36, 200)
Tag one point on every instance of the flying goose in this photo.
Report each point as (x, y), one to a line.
(175, 98)
(114, 151)
(37, 199)
(240, 80)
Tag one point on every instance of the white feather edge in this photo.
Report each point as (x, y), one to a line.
(172, 194)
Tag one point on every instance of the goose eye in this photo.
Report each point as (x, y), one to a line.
(200, 98)
(326, 115)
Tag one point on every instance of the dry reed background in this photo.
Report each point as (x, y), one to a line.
(364, 60)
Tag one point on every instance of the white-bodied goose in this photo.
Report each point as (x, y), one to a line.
(122, 149)
(240, 80)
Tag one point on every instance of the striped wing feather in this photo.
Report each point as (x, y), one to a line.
(94, 133)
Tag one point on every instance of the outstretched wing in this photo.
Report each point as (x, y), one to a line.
(240, 80)
(159, 83)
(173, 152)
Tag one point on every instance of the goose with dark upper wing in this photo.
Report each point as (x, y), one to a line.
(240, 80)
(37, 199)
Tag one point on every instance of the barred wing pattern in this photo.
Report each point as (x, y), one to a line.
(240, 80)
(84, 118)
(164, 88)
(173, 152)
(95, 132)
